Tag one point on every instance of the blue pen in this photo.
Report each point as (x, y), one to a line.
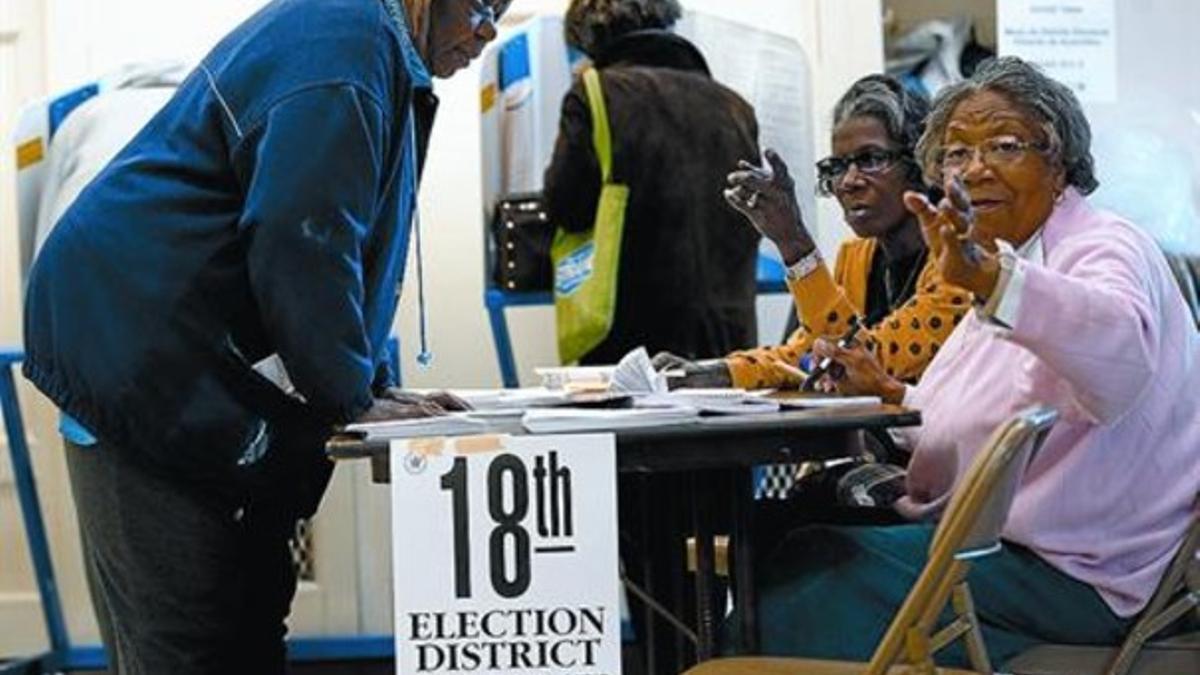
(823, 367)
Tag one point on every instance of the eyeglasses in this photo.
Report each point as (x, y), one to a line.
(487, 12)
(832, 169)
(995, 152)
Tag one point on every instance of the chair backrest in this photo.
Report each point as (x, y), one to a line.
(979, 506)
(1183, 574)
(970, 526)
(1186, 268)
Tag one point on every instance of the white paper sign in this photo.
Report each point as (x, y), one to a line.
(1074, 41)
(505, 555)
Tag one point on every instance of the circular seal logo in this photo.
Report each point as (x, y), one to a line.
(414, 463)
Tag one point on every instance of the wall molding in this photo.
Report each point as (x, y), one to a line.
(24, 631)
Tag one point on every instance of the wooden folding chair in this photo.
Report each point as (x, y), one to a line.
(1178, 593)
(969, 529)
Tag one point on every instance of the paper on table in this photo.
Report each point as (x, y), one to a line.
(796, 401)
(526, 397)
(453, 424)
(635, 374)
(578, 377)
(552, 420)
(712, 401)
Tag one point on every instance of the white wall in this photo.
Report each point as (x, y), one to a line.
(844, 41)
(86, 38)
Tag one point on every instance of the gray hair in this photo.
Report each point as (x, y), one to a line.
(1051, 103)
(901, 112)
(592, 25)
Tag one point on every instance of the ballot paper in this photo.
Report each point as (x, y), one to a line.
(563, 420)
(452, 424)
(635, 374)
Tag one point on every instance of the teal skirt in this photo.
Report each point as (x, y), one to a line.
(830, 592)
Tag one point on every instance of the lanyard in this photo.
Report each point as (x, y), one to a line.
(425, 356)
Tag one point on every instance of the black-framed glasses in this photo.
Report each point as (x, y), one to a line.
(873, 161)
(995, 152)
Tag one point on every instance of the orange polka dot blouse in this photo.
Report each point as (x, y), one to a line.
(905, 341)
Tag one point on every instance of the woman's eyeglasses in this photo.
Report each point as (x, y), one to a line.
(832, 169)
(487, 12)
(995, 152)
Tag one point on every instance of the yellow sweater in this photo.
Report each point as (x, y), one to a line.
(905, 341)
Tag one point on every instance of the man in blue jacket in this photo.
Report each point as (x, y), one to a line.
(265, 211)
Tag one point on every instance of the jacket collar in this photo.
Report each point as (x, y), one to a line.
(1071, 212)
(655, 48)
(417, 70)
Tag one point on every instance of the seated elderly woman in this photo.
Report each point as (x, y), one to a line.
(1074, 308)
(883, 276)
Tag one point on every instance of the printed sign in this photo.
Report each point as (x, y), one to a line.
(1074, 41)
(505, 555)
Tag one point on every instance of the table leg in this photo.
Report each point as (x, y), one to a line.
(706, 612)
(646, 546)
(743, 560)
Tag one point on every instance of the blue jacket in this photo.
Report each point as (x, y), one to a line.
(264, 210)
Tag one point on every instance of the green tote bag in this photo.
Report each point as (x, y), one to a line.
(585, 263)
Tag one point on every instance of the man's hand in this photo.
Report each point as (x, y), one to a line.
(766, 195)
(947, 229)
(442, 399)
(384, 409)
(713, 374)
(397, 404)
(859, 373)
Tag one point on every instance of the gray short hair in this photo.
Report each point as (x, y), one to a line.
(1051, 103)
(901, 112)
(591, 25)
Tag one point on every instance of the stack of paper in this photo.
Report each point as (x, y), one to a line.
(557, 420)
(634, 374)
(527, 397)
(713, 401)
(453, 424)
(589, 378)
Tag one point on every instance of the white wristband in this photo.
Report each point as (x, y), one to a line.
(804, 266)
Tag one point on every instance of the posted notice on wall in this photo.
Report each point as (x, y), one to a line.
(1074, 41)
(505, 555)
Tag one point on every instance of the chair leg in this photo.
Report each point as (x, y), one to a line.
(964, 606)
(1147, 628)
(918, 653)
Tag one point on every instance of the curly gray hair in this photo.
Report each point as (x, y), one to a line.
(901, 112)
(591, 25)
(1051, 103)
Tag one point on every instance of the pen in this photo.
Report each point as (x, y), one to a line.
(961, 201)
(823, 367)
(789, 369)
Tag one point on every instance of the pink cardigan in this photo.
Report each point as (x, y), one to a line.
(1102, 335)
